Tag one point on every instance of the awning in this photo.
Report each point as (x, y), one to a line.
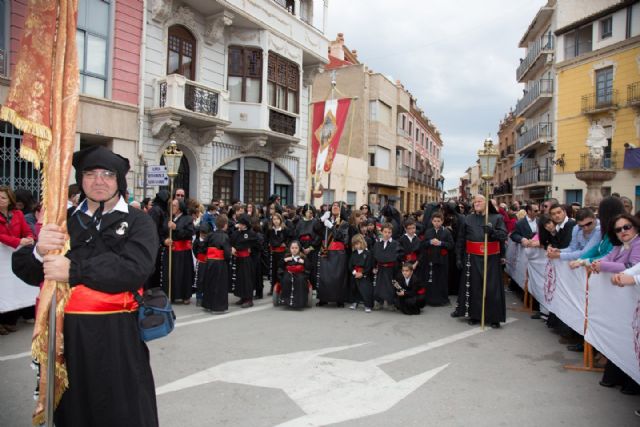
(519, 161)
(632, 158)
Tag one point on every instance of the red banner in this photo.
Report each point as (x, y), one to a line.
(329, 118)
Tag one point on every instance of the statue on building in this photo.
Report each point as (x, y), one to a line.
(596, 141)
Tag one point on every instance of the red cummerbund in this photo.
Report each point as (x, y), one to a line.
(305, 238)
(181, 245)
(201, 257)
(411, 256)
(358, 268)
(386, 264)
(421, 291)
(277, 249)
(243, 253)
(295, 269)
(215, 254)
(477, 248)
(336, 246)
(85, 300)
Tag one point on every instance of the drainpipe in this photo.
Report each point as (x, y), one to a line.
(143, 48)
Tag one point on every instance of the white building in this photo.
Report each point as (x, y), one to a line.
(229, 81)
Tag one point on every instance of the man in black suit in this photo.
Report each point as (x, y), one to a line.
(527, 227)
(564, 227)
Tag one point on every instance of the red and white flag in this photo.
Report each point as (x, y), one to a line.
(329, 118)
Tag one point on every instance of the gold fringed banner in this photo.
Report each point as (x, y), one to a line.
(43, 102)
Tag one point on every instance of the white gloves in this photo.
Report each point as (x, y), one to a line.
(325, 216)
(328, 223)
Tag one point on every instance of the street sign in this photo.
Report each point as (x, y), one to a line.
(157, 175)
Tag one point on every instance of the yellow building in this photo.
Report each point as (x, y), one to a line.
(598, 82)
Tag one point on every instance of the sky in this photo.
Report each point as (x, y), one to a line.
(457, 57)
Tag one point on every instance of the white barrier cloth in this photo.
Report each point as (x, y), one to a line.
(14, 293)
(568, 297)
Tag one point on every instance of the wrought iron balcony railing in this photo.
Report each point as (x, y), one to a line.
(192, 96)
(633, 94)
(541, 88)
(538, 132)
(281, 122)
(533, 176)
(606, 162)
(543, 45)
(600, 101)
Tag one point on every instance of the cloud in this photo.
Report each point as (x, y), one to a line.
(457, 58)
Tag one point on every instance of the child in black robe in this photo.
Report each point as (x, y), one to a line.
(200, 252)
(410, 291)
(215, 296)
(411, 246)
(243, 242)
(361, 270)
(310, 241)
(439, 242)
(292, 288)
(386, 253)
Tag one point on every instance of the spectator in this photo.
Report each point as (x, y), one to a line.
(26, 203)
(626, 246)
(527, 227)
(628, 204)
(563, 229)
(584, 237)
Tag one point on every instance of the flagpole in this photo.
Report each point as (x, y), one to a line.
(346, 167)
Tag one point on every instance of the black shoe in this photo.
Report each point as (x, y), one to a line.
(258, 297)
(321, 303)
(455, 314)
(606, 384)
(340, 304)
(629, 391)
(576, 347)
(536, 316)
(239, 302)
(472, 322)
(495, 325)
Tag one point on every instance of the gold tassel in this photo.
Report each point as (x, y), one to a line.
(25, 125)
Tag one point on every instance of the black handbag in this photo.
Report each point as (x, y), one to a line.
(156, 318)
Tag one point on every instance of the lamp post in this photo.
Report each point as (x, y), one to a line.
(172, 156)
(488, 158)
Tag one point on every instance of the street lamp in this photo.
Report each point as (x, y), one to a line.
(172, 157)
(488, 159)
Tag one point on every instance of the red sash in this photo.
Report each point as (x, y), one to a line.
(336, 246)
(85, 300)
(386, 264)
(411, 257)
(421, 291)
(242, 253)
(181, 245)
(477, 248)
(201, 257)
(305, 238)
(215, 254)
(277, 249)
(359, 269)
(295, 269)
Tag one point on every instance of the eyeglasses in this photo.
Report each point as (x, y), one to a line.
(93, 175)
(588, 224)
(625, 227)
(179, 195)
(535, 210)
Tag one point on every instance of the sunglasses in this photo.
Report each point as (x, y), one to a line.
(588, 224)
(625, 227)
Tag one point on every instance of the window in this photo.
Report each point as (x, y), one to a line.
(606, 27)
(181, 54)
(417, 135)
(572, 196)
(245, 74)
(410, 128)
(92, 38)
(372, 159)
(3, 49)
(382, 158)
(351, 198)
(404, 122)
(328, 196)
(381, 112)
(604, 86)
(578, 42)
(283, 80)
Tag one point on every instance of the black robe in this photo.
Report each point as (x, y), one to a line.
(305, 233)
(414, 249)
(383, 288)
(216, 278)
(200, 252)
(182, 262)
(243, 280)
(294, 286)
(110, 379)
(470, 294)
(452, 223)
(277, 241)
(362, 289)
(332, 273)
(438, 266)
(413, 299)
(159, 218)
(256, 259)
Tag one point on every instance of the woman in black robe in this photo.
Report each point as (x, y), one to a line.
(243, 242)
(332, 274)
(294, 285)
(181, 244)
(216, 278)
(438, 243)
(361, 273)
(310, 241)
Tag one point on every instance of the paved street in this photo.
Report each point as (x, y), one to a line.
(326, 366)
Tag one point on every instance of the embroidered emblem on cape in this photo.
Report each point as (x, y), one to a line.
(122, 228)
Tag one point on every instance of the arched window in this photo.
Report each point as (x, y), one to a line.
(181, 52)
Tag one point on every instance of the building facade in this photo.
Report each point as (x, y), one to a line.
(108, 38)
(598, 83)
(230, 82)
(503, 177)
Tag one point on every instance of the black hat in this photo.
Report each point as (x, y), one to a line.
(245, 220)
(97, 156)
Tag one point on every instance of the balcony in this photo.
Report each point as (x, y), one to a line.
(535, 177)
(633, 95)
(510, 151)
(179, 101)
(539, 94)
(600, 102)
(282, 122)
(608, 161)
(417, 176)
(502, 189)
(539, 133)
(402, 177)
(536, 56)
